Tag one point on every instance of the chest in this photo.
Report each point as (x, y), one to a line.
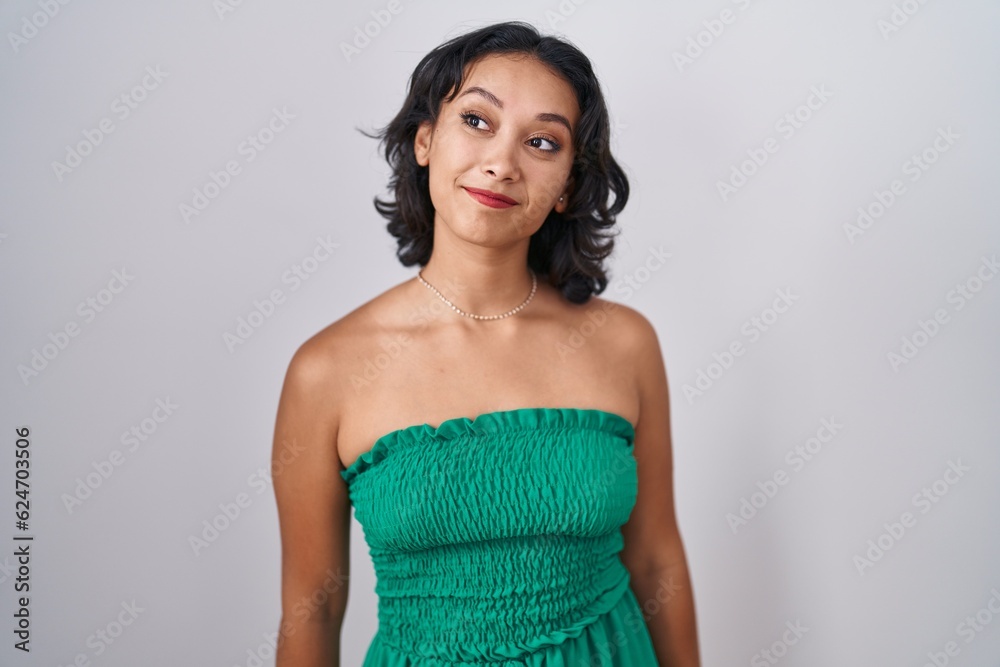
(515, 474)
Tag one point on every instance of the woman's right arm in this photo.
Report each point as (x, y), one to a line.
(313, 513)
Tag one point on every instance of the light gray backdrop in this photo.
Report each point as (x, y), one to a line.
(822, 177)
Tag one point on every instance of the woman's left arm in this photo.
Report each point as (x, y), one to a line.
(654, 551)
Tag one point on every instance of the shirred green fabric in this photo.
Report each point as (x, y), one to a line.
(496, 540)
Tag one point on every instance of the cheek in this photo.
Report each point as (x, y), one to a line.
(549, 187)
(453, 155)
(438, 187)
(462, 152)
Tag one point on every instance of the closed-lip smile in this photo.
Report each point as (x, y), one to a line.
(492, 195)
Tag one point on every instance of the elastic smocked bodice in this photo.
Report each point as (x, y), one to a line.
(495, 536)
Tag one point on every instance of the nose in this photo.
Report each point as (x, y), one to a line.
(500, 160)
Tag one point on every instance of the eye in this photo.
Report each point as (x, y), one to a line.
(474, 121)
(477, 122)
(555, 145)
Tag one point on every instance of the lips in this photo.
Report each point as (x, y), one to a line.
(491, 198)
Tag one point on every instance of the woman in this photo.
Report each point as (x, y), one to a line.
(502, 432)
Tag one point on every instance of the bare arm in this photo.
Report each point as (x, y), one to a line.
(313, 513)
(654, 551)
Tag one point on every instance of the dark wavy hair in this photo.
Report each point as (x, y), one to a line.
(569, 248)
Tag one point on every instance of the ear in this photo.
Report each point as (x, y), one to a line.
(561, 206)
(422, 143)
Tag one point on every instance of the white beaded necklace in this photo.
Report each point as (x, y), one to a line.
(534, 286)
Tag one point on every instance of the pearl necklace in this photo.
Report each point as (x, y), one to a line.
(534, 286)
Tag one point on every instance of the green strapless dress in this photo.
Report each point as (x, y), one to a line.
(496, 540)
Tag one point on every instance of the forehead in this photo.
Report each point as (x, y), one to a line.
(523, 84)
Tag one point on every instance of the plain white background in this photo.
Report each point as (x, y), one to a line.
(690, 95)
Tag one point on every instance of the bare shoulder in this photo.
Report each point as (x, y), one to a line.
(624, 351)
(323, 365)
(319, 361)
(643, 356)
(633, 333)
(638, 346)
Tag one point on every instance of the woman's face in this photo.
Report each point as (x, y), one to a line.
(505, 132)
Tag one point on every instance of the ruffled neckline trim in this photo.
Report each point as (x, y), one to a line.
(493, 422)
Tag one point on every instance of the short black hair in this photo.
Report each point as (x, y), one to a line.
(569, 249)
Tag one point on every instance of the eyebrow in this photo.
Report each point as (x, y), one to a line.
(495, 101)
